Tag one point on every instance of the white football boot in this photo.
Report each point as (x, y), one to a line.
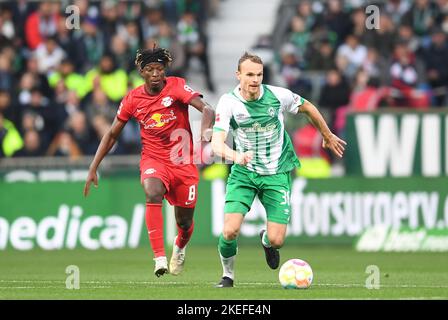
(161, 266)
(177, 259)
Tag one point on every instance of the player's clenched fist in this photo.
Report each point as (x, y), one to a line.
(244, 158)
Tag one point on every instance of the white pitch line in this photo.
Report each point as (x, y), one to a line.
(239, 284)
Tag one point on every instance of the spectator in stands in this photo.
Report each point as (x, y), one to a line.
(6, 74)
(49, 56)
(41, 24)
(305, 11)
(384, 38)
(72, 80)
(350, 56)
(66, 41)
(39, 80)
(122, 55)
(150, 22)
(8, 108)
(358, 18)
(10, 139)
(82, 134)
(435, 58)
(291, 71)
(167, 39)
(21, 9)
(32, 146)
(63, 145)
(406, 34)
(112, 80)
(337, 20)
(335, 93)
(421, 16)
(90, 43)
(195, 45)
(100, 105)
(377, 67)
(405, 71)
(7, 28)
(299, 36)
(44, 115)
(321, 56)
(396, 9)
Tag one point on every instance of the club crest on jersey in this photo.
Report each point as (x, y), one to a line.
(167, 101)
(158, 120)
(271, 111)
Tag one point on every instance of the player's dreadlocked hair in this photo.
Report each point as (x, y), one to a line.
(159, 55)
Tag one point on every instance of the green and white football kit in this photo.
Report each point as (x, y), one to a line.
(258, 126)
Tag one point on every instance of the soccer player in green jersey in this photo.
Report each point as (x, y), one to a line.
(263, 159)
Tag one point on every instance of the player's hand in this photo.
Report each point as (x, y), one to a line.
(244, 158)
(335, 144)
(91, 177)
(206, 135)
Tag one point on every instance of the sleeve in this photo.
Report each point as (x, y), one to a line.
(290, 101)
(125, 110)
(185, 93)
(223, 115)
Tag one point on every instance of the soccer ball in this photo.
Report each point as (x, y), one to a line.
(295, 274)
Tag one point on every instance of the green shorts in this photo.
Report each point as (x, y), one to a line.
(272, 190)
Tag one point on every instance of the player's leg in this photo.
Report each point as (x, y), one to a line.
(183, 196)
(155, 185)
(185, 226)
(275, 197)
(240, 194)
(228, 247)
(154, 190)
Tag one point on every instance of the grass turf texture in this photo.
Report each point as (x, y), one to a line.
(339, 273)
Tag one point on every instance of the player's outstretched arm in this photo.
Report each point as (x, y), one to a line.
(106, 144)
(221, 149)
(330, 140)
(208, 115)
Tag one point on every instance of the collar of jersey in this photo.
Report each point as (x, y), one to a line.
(237, 93)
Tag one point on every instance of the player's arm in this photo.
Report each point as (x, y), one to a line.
(107, 142)
(208, 114)
(221, 149)
(330, 140)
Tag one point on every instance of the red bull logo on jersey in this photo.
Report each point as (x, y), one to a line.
(158, 120)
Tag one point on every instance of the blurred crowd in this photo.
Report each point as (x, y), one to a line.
(397, 59)
(61, 81)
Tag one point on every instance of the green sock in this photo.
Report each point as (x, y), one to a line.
(227, 248)
(265, 240)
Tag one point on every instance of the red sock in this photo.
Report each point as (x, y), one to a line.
(154, 224)
(183, 236)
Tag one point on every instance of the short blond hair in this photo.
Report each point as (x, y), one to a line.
(248, 56)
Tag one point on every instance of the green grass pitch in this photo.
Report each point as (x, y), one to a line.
(339, 273)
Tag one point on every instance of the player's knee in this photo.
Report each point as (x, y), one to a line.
(276, 241)
(154, 197)
(184, 224)
(230, 233)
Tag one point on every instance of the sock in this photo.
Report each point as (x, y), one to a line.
(265, 240)
(227, 266)
(154, 224)
(227, 248)
(227, 252)
(183, 236)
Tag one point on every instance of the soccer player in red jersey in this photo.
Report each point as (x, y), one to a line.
(160, 106)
